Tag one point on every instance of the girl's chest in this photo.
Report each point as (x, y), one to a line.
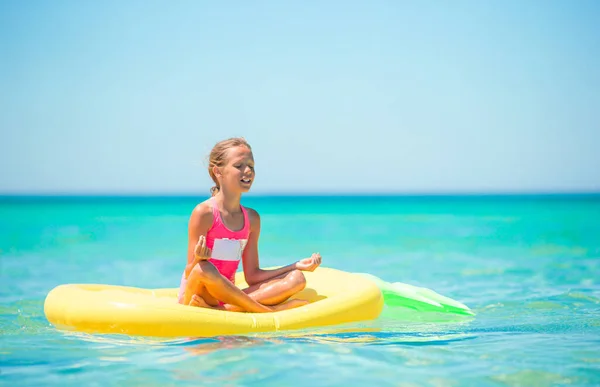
(233, 222)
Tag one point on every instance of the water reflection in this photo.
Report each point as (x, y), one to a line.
(361, 337)
(205, 346)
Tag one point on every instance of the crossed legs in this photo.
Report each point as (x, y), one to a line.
(206, 287)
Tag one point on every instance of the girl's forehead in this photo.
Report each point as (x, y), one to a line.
(239, 153)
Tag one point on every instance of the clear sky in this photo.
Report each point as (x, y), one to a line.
(371, 96)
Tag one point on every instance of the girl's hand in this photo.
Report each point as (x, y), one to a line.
(201, 253)
(309, 264)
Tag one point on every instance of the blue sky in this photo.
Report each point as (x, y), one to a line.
(382, 96)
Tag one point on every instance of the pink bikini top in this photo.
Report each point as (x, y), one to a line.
(227, 246)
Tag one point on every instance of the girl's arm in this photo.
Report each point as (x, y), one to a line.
(252, 271)
(199, 224)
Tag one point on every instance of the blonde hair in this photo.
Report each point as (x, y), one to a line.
(218, 157)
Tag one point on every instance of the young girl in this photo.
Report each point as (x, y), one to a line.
(221, 232)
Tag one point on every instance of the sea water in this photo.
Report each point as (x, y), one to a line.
(528, 267)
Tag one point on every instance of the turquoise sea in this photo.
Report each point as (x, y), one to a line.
(528, 266)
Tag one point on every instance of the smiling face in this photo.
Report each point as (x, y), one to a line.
(237, 173)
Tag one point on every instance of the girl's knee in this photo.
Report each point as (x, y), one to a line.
(204, 271)
(297, 279)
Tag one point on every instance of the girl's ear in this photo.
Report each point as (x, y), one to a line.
(216, 171)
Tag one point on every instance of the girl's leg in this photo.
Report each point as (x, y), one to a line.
(206, 282)
(278, 289)
(199, 302)
(206, 286)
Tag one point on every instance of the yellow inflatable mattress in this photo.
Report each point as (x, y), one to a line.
(336, 297)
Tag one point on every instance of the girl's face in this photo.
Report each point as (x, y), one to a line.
(237, 174)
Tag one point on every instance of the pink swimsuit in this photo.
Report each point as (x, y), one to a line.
(227, 246)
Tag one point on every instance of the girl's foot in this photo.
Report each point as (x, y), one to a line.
(199, 302)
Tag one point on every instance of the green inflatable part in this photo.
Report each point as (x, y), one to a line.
(398, 294)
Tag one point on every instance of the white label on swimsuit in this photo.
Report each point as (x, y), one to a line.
(228, 249)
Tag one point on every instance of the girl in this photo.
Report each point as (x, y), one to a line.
(221, 232)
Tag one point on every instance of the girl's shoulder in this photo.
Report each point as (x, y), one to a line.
(253, 216)
(204, 207)
(203, 213)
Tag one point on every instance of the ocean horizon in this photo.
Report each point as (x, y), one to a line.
(307, 194)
